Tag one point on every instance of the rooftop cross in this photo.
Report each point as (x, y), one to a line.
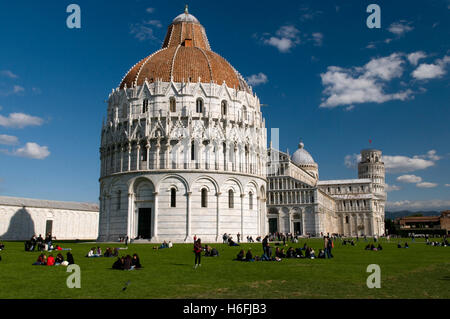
(186, 9)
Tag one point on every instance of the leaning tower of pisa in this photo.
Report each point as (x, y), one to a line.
(371, 167)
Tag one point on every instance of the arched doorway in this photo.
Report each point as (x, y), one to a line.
(143, 214)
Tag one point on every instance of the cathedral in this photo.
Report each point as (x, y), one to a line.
(184, 152)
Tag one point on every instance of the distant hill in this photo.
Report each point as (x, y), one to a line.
(404, 213)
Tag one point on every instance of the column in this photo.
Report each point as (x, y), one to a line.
(155, 217)
(129, 156)
(242, 215)
(188, 217)
(157, 161)
(147, 146)
(130, 215)
(218, 216)
(122, 151)
(138, 160)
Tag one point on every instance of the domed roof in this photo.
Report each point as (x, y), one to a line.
(302, 157)
(185, 56)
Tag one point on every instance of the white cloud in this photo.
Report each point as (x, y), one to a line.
(414, 57)
(391, 188)
(18, 89)
(427, 71)
(409, 179)
(155, 23)
(142, 32)
(399, 163)
(447, 185)
(351, 161)
(426, 185)
(363, 84)
(20, 120)
(9, 74)
(404, 164)
(434, 204)
(32, 150)
(257, 79)
(286, 38)
(317, 38)
(400, 28)
(150, 10)
(8, 139)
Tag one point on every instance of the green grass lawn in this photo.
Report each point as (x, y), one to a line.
(418, 272)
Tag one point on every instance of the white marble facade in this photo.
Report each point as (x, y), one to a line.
(300, 203)
(21, 218)
(149, 153)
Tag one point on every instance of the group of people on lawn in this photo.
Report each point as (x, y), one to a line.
(43, 260)
(127, 263)
(41, 244)
(97, 252)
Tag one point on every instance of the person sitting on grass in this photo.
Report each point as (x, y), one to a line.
(99, 251)
(277, 252)
(128, 265)
(116, 252)
(367, 247)
(231, 242)
(50, 260)
(399, 245)
(379, 247)
(40, 261)
(108, 252)
(135, 262)
(321, 254)
(59, 259)
(214, 252)
(290, 253)
(241, 256)
(406, 245)
(93, 253)
(299, 253)
(207, 250)
(249, 256)
(308, 252)
(2, 246)
(312, 253)
(69, 258)
(119, 263)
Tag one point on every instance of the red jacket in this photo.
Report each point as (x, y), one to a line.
(50, 261)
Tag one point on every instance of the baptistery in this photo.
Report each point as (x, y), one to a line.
(183, 147)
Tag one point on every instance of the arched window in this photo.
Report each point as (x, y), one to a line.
(230, 199)
(192, 151)
(124, 110)
(199, 105)
(223, 107)
(145, 106)
(173, 197)
(173, 104)
(346, 219)
(204, 197)
(250, 201)
(244, 113)
(119, 195)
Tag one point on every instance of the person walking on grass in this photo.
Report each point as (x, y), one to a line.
(198, 253)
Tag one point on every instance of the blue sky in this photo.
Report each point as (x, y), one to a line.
(325, 76)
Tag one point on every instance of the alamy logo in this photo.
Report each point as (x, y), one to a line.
(74, 280)
(73, 20)
(374, 279)
(374, 20)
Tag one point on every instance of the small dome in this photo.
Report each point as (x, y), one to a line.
(185, 17)
(302, 157)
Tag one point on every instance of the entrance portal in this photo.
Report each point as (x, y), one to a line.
(144, 223)
(273, 225)
(297, 228)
